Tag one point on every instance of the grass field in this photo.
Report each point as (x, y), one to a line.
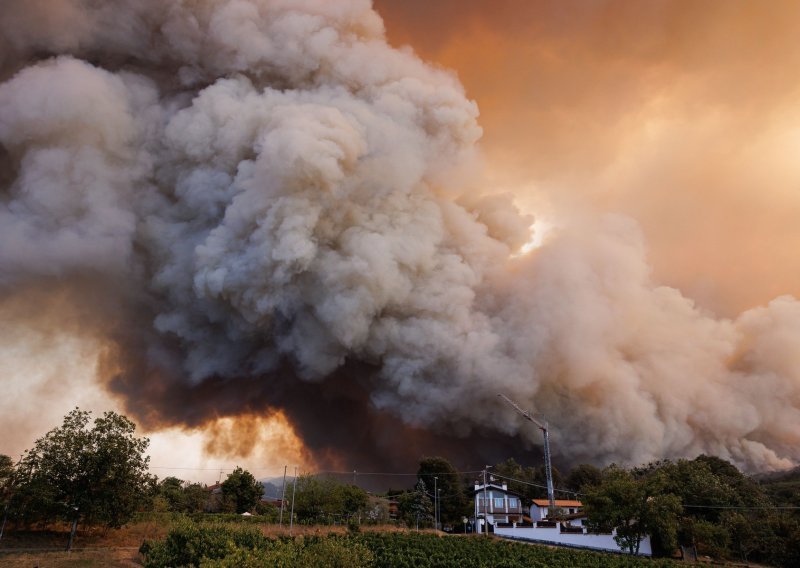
(113, 548)
(390, 548)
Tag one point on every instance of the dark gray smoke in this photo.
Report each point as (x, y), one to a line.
(277, 210)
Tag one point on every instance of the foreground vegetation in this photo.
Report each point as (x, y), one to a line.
(227, 546)
(94, 474)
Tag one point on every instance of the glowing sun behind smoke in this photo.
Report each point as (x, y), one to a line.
(539, 231)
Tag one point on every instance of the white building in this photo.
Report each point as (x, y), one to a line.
(540, 509)
(495, 504)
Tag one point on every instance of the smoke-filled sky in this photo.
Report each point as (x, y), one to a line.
(682, 115)
(328, 234)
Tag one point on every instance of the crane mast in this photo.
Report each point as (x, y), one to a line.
(546, 433)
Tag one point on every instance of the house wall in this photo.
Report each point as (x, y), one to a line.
(539, 513)
(496, 512)
(555, 536)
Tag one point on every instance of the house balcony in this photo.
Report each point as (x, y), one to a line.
(492, 510)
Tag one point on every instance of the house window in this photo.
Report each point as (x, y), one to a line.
(498, 502)
(512, 502)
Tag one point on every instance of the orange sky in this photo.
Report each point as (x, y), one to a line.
(683, 115)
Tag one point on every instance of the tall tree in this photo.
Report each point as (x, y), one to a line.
(439, 474)
(583, 477)
(241, 492)
(635, 507)
(96, 474)
(170, 489)
(416, 507)
(323, 499)
(520, 479)
(6, 478)
(317, 499)
(354, 500)
(6, 487)
(195, 498)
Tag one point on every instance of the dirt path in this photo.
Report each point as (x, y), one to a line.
(84, 558)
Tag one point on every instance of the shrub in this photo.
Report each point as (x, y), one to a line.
(188, 543)
(330, 552)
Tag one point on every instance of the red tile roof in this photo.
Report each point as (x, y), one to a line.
(559, 503)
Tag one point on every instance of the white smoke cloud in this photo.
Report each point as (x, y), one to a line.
(275, 183)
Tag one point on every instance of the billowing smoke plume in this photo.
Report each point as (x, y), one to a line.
(260, 205)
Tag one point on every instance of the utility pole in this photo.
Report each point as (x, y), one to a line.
(435, 504)
(485, 503)
(439, 504)
(283, 497)
(294, 490)
(548, 467)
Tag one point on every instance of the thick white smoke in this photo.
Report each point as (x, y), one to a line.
(268, 181)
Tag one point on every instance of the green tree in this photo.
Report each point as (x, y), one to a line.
(241, 492)
(6, 470)
(416, 507)
(635, 507)
(527, 482)
(317, 499)
(176, 495)
(520, 479)
(6, 487)
(453, 503)
(6, 478)
(170, 489)
(583, 477)
(195, 498)
(742, 532)
(96, 474)
(323, 499)
(354, 500)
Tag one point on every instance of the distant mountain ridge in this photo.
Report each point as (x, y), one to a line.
(273, 486)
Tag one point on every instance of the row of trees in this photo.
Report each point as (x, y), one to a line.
(240, 492)
(96, 472)
(706, 503)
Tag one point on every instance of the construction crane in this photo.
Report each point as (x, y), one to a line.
(548, 468)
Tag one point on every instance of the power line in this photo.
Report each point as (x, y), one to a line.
(494, 474)
(741, 507)
(416, 474)
(319, 472)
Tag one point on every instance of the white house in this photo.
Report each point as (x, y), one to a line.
(495, 504)
(540, 508)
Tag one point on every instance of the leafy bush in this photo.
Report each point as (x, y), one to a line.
(189, 543)
(415, 550)
(331, 552)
